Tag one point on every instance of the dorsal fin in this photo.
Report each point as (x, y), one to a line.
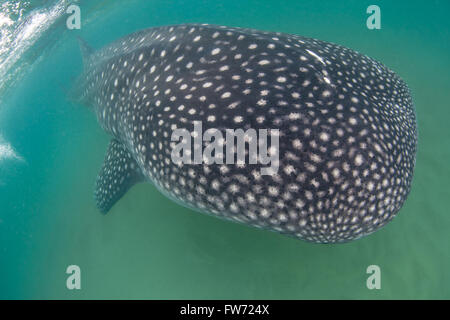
(117, 175)
(86, 50)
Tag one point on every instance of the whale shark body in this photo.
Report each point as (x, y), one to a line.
(346, 127)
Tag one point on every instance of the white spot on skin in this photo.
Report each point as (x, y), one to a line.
(336, 173)
(326, 93)
(359, 160)
(261, 102)
(324, 136)
(316, 56)
(238, 119)
(352, 121)
(297, 144)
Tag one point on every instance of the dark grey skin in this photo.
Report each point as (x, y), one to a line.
(347, 127)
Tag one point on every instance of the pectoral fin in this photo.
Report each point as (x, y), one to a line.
(117, 175)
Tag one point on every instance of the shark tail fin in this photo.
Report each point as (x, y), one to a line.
(117, 175)
(86, 50)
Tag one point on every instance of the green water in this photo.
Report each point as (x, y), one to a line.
(150, 247)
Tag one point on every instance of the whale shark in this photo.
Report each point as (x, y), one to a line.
(345, 127)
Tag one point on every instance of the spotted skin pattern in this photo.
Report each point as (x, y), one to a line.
(347, 126)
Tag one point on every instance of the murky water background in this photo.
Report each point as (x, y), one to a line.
(150, 247)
